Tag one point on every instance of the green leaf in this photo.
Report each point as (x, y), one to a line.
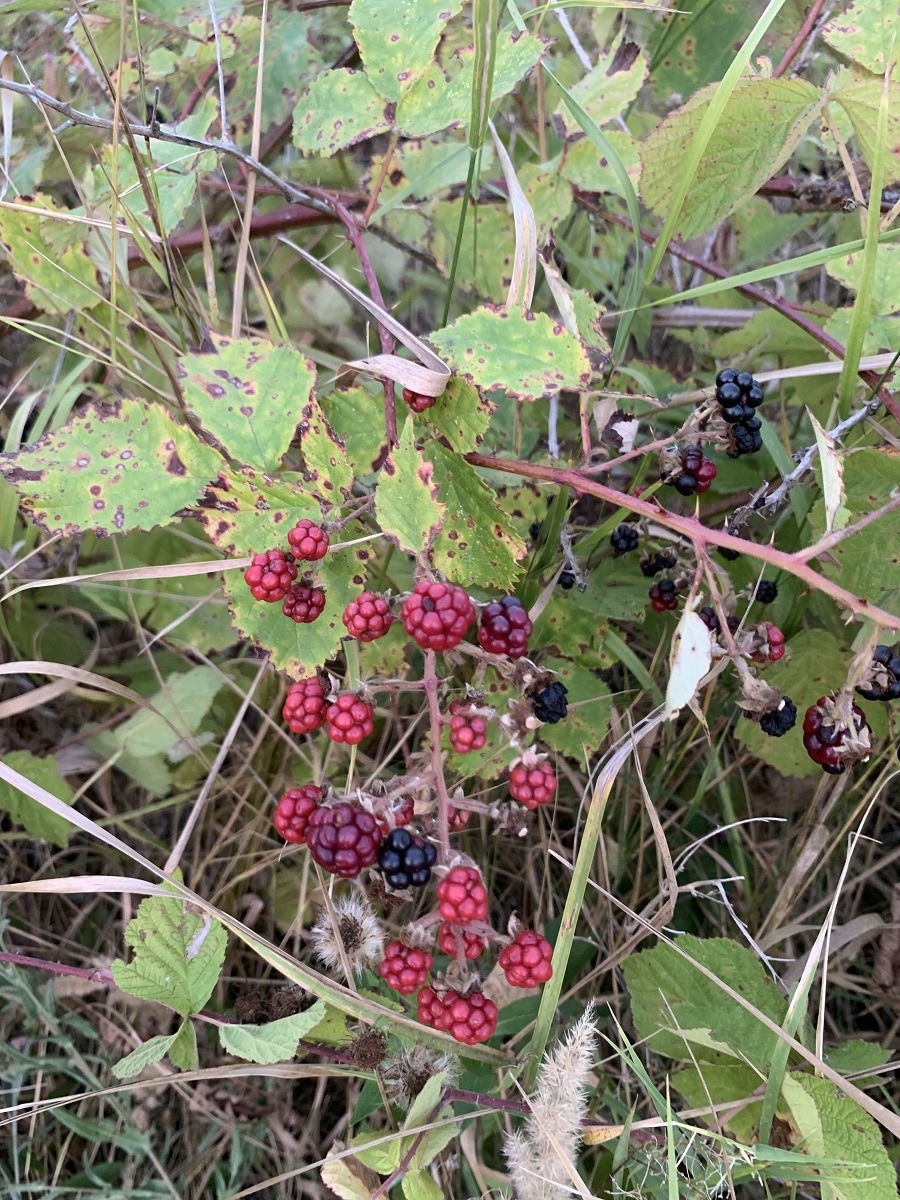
(868, 561)
(831, 1126)
(584, 729)
(437, 102)
(185, 701)
(249, 395)
(183, 1051)
(249, 510)
(150, 1052)
(289, 62)
(681, 1012)
(864, 31)
(725, 1083)
(329, 472)
(338, 109)
(861, 100)
(347, 1177)
(273, 1042)
(426, 1102)
(762, 122)
(357, 418)
(176, 956)
(855, 1055)
(589, 169)
(527, 354)
(608, 89)
(48, 256)
(398, 40)
(491, 225)
(331, 1029)
(476, 543)
(420, 1185)
(40, 822)
(694, 45)
(383, 1158)
(300, 649)
(111, 470)
(886, 284)
(462, 416)
(406, 503)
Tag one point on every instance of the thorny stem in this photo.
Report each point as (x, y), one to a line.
(430, 680)
(691, 528)
(403, 1165)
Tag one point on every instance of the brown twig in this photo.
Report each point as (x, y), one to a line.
(802, 34)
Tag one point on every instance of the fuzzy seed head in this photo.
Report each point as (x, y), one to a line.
(355, 927)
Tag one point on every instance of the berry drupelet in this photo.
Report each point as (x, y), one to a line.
(549, 704)
(664, 560)
(882, 679)
(624, 538)
(566, 581)
(406, 860)
(709, 618)
(343, 839)
(505, 627)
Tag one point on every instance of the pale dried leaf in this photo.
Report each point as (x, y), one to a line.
(691, 659)
(524, 272)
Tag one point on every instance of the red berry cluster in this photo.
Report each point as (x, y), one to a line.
(470, 1018)
(271, 575)
(532, 783)
(294, 810)
(405, 968)
(343, 839)
(664, 596)
(697, 472)
(505, 627)
(416, 401)
(350, 719)
(468, 730)
(771, 647)
(453, 938)
(526, 962)
(368, 617)
(437, 616)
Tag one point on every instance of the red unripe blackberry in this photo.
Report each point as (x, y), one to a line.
(350, 719)
(270, 576)
(526, 962)
(308, 541)
(303, 604)
(462, 896)
(505, 627)
(398, 813)
(343, 839)
(472, 943)
(697, 472)
(532, 785)
(416, 401)
(293, 811)
(405, 968)
(437, 615)
(469, 1019)
(830, 744)
(664, 596)
(467, 730)
(459, 818)
(304, 708)
(367, 618)
(773, 650)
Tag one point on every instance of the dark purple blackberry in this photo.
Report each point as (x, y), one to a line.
(782, 719)
(882, 681)
(624, 538)
(708, 616)
(766, 591)
(406, 860)
(566, 581)
(663, 561)
(549, 705)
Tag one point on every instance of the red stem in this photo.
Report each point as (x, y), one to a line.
(430, 680)
(802, 34)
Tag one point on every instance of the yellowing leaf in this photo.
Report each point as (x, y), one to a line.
(832, 464)
(48, 256)
(406, 504)
(338, 109)
(607, 90)
(864, 32)
(861, 100)
(397, 39)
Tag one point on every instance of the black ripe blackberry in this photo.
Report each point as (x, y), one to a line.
(550, 704)
(729, 555)
(624, 538)
(406, 860)
(566, 581)
(766, 591)
(739, 394)
(534, 530)
(663, 561)
(782, 719)
(708, 616)
(882, 679)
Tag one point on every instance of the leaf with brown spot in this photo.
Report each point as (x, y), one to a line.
(406, 504)
(112, 469)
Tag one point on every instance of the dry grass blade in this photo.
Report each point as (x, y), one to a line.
(524, 272)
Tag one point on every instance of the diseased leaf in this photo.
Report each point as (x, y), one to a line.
(761, 124)
(339, 109)
(864, 32)
(861, 99)
(588, 169)
(526, 354)
(461, 415)
(38, 821)
(111, 470)
(406, 503)
(328, 470)
(397, 40)
(608, 89)
(357, 418)
(248, 510)
(273, 1042)
(48, 256)
(177, 955)
(476, 544)
(249, 395)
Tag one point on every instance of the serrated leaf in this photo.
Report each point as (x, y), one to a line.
(274, 1042)
(607, 90)
(683, 1013)
(761, 124)
(476, 544)
(864, 32)
(425, 1102)
(249, 395)
(177, 956)
(832, 471)
(581, 733)
(328, 470)
(397, 40)
(357, 418)
(40, 822)
(339, 109)
(347, 1176)
(861, 99)
(833, 1127)
(111, 470)
(885, 295)
(690, 660)
(248, 510)
(48, 257)
(420, 1185)
(590, 170)
(183, 1051)
(436, 101)
(406, 503)
(726, 1083)
(383, 1157)
(152, 1051)
(462, 416)
(526, 354)
(185, 700)
(695, 45)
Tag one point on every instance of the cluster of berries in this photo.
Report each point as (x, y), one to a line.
(307, 708)
(697, 472)
(882, 680)
(416, 401)
(830, 739)
(271, 574)
(623, 539)
(740, 395)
